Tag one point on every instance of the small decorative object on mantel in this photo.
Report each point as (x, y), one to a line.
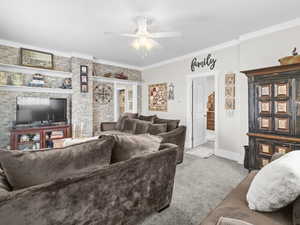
(171, 92)
(84, 79)
(295, 58)
(121, 76)
(107, 75)
(67, 84)
(158, 97)
(37, 81)
(17, 79)
(103, 94)
(33, 58)
(3, 78)
(230, 91)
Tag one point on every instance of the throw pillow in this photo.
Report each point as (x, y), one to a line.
(230, 221)
(123, 117)
(147, 118)
(130, 146)
(142, 127)
(156, 129)
(276, 185)
(129, 126)
(120, 122)
(296, 212)
(172, 124)
(28, 168)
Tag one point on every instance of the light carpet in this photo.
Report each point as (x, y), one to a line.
(200, 185)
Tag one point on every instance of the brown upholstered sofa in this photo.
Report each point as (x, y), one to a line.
(174, 134)
(122, 193)
(235, 206)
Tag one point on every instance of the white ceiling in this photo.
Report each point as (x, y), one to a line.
(79, 25)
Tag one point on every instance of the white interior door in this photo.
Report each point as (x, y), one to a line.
(198, 111)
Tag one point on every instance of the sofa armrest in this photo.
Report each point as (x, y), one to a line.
(106, 126)
(127, 191)
(177, 137)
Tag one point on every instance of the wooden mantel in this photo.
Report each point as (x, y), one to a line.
(272, 70)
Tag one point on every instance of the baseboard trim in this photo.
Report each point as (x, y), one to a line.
(229, 155)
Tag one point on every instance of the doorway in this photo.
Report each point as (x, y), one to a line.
(126, 99)
(202, 113)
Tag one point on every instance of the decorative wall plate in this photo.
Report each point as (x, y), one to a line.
(103, 93)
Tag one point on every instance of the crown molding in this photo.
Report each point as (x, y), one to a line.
(270, 30)
(241, 38)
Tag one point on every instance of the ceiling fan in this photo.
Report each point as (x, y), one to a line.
(143, 38)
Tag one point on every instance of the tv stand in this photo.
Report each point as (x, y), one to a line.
(34, 138)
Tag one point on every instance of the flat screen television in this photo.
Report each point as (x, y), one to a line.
(32, 110)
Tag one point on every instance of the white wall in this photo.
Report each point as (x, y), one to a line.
(249, 54)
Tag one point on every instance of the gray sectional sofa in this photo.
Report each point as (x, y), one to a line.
(124, 192)
(132, 123)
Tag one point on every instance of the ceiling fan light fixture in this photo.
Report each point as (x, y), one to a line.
(143, 43)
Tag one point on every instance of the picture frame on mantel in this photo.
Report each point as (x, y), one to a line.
(37, 59)
(84, 88)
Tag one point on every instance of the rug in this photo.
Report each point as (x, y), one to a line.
(200, 185)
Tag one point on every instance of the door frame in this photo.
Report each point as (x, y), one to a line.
(189, 116)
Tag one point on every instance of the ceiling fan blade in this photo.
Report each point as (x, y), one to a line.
(120, 34)
(165, 34)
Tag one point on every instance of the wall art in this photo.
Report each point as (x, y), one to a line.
(84, 79)
(103, 94)
(171, 94)
(206, 62)
(230, 91)
(158, 97)
(37, 59)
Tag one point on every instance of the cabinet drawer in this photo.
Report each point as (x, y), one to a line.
(263, 161)
(282, 149)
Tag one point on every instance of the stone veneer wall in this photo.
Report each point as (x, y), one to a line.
(81, 107)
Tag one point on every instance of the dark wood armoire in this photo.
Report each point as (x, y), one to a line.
(274, 113)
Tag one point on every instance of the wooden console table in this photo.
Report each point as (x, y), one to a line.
(37, 137)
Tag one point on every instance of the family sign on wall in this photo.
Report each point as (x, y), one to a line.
(208, 61)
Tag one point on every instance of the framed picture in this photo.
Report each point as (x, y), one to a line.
(158, 97)
(83, 70)
(84, 88)
(34, 58)
(230, 91)
(84, 79)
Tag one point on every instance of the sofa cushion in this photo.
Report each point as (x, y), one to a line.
(156, 129)
(172, 124)
(235, 206)
(276, 185)
(147, 118)
(129, 126)
(4, 185)
(28, 168)
(129, 146)
(142, 127)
